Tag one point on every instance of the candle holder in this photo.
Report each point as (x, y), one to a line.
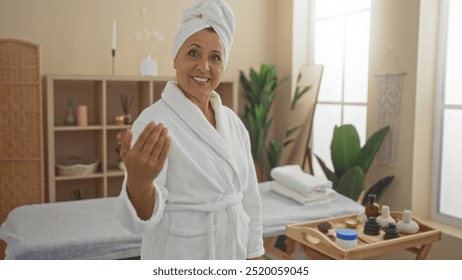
(114, 40)
(113, 54)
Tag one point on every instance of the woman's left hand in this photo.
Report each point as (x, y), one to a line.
(144, 162)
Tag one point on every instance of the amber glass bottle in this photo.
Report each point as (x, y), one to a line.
(372, 207)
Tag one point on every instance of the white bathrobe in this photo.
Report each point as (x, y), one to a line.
(207, 200)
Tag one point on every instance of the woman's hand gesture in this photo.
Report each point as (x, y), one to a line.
(145, 160)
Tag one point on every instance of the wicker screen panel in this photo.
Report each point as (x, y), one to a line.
(19, 61)
(21, 122)
(18, 184)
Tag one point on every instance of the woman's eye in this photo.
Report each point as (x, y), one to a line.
(193, 53)
(216, 57)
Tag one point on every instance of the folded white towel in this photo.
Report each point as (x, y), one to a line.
(323, 196)
(293, 177)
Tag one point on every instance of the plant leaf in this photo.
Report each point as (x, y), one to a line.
(345, 148)
(370, 149)
(288, 142)
(298, 94)
(351, 184)
(273, 155)
(378, 188)
(329, 174)
(290, 131)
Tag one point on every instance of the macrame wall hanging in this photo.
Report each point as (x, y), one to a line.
(389, 90)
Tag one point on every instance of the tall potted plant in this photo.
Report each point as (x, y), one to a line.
(259, 91)
(351, 162)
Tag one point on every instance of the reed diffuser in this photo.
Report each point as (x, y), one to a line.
(126, 100)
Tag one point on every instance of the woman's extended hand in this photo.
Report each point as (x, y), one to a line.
(145, 160)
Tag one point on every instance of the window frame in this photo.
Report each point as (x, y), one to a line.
(440, 108)
(342, 104)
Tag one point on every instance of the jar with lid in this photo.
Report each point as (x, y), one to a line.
(346, 238)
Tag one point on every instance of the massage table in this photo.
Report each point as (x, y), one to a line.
(88, 229)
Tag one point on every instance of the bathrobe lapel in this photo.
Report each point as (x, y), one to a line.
(218, 139)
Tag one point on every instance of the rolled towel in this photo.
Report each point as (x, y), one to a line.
(293, 177)
(327, 195)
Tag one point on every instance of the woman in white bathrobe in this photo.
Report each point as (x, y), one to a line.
(190, 188)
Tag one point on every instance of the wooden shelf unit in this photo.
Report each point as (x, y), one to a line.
(101, 95)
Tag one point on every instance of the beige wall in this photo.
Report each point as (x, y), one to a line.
(410, 27)
(75, 38)
(394, 24)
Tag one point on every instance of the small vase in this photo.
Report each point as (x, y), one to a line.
(70, 118)
(148, 67)
(407, 225)
(372, 208)
(385, 218)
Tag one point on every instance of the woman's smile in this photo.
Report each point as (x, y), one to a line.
(200, 79)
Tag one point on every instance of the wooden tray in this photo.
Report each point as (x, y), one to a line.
(319, 245)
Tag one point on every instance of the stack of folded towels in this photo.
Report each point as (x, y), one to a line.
(292, 182)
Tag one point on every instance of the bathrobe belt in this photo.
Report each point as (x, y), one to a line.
(224, 203)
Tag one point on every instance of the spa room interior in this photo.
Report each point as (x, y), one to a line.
(74, 75)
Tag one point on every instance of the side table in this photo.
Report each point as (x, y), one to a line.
(317, 245)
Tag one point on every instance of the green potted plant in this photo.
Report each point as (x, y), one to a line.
(259, 91)
(351, 162)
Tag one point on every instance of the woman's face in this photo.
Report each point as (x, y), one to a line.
(200, 65)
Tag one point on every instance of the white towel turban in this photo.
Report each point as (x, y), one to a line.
(205, 14)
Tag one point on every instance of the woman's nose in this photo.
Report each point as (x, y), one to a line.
(203, 65)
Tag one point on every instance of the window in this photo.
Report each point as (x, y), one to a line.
(447, 206)
(341, 44)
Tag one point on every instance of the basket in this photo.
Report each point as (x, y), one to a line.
(75, 166)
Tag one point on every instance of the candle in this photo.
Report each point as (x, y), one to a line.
(82, 115)
(114, 32)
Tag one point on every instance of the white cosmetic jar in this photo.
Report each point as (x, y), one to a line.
(346, 238)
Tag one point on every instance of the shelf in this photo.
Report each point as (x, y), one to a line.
(118, 127)
(69, 178)
(115, 173)
(78, 128)
(102, 96)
